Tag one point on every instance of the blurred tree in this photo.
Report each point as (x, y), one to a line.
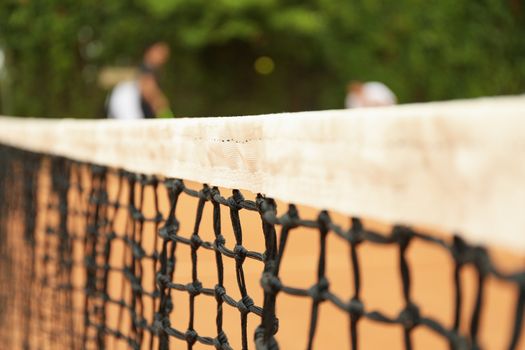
(424, 50)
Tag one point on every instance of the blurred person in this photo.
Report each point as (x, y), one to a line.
(369, 94)
(142, 97)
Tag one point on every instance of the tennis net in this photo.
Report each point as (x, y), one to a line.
(147, 235)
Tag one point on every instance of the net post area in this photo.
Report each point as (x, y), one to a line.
(89, 260)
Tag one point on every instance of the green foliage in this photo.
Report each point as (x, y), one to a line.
(424, 50)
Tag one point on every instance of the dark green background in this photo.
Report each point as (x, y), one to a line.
(423, 49)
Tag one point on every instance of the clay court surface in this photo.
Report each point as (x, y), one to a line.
(52, 327)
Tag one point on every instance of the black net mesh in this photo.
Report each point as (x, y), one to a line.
(78, 268)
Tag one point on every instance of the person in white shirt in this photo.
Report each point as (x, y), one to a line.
(142, 97)
(369, 94)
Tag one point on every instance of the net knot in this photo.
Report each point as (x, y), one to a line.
(175, 185)
(222, 339)
(245, 304)
(169, 230)
(324, 222)
(136, 287)
(162, 280)
(98, 169)
(318, 290)
(465, 254)
(147, 180)
(89, 261)
(204, 194)
(219, 241)
(410, 316)
(158, 323)
(482, 261)
(459, 250)
(98, 309)
(270, 283)
(138, 251)
(140, 322)
(265, 344)
(190, 336)
(220, 292)
(91, 230)
(240, 253)
(459, 342)
(136, 214)
(356, 308)
(215, 194)
(403, 235)
(194, 288)
(195, 241)
(289, 220)
(265, 204)
(118, 334)
(158, 218)
(234, 202)
(122, 173)
(356, 231)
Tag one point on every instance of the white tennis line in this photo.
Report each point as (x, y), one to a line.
(456, 166)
